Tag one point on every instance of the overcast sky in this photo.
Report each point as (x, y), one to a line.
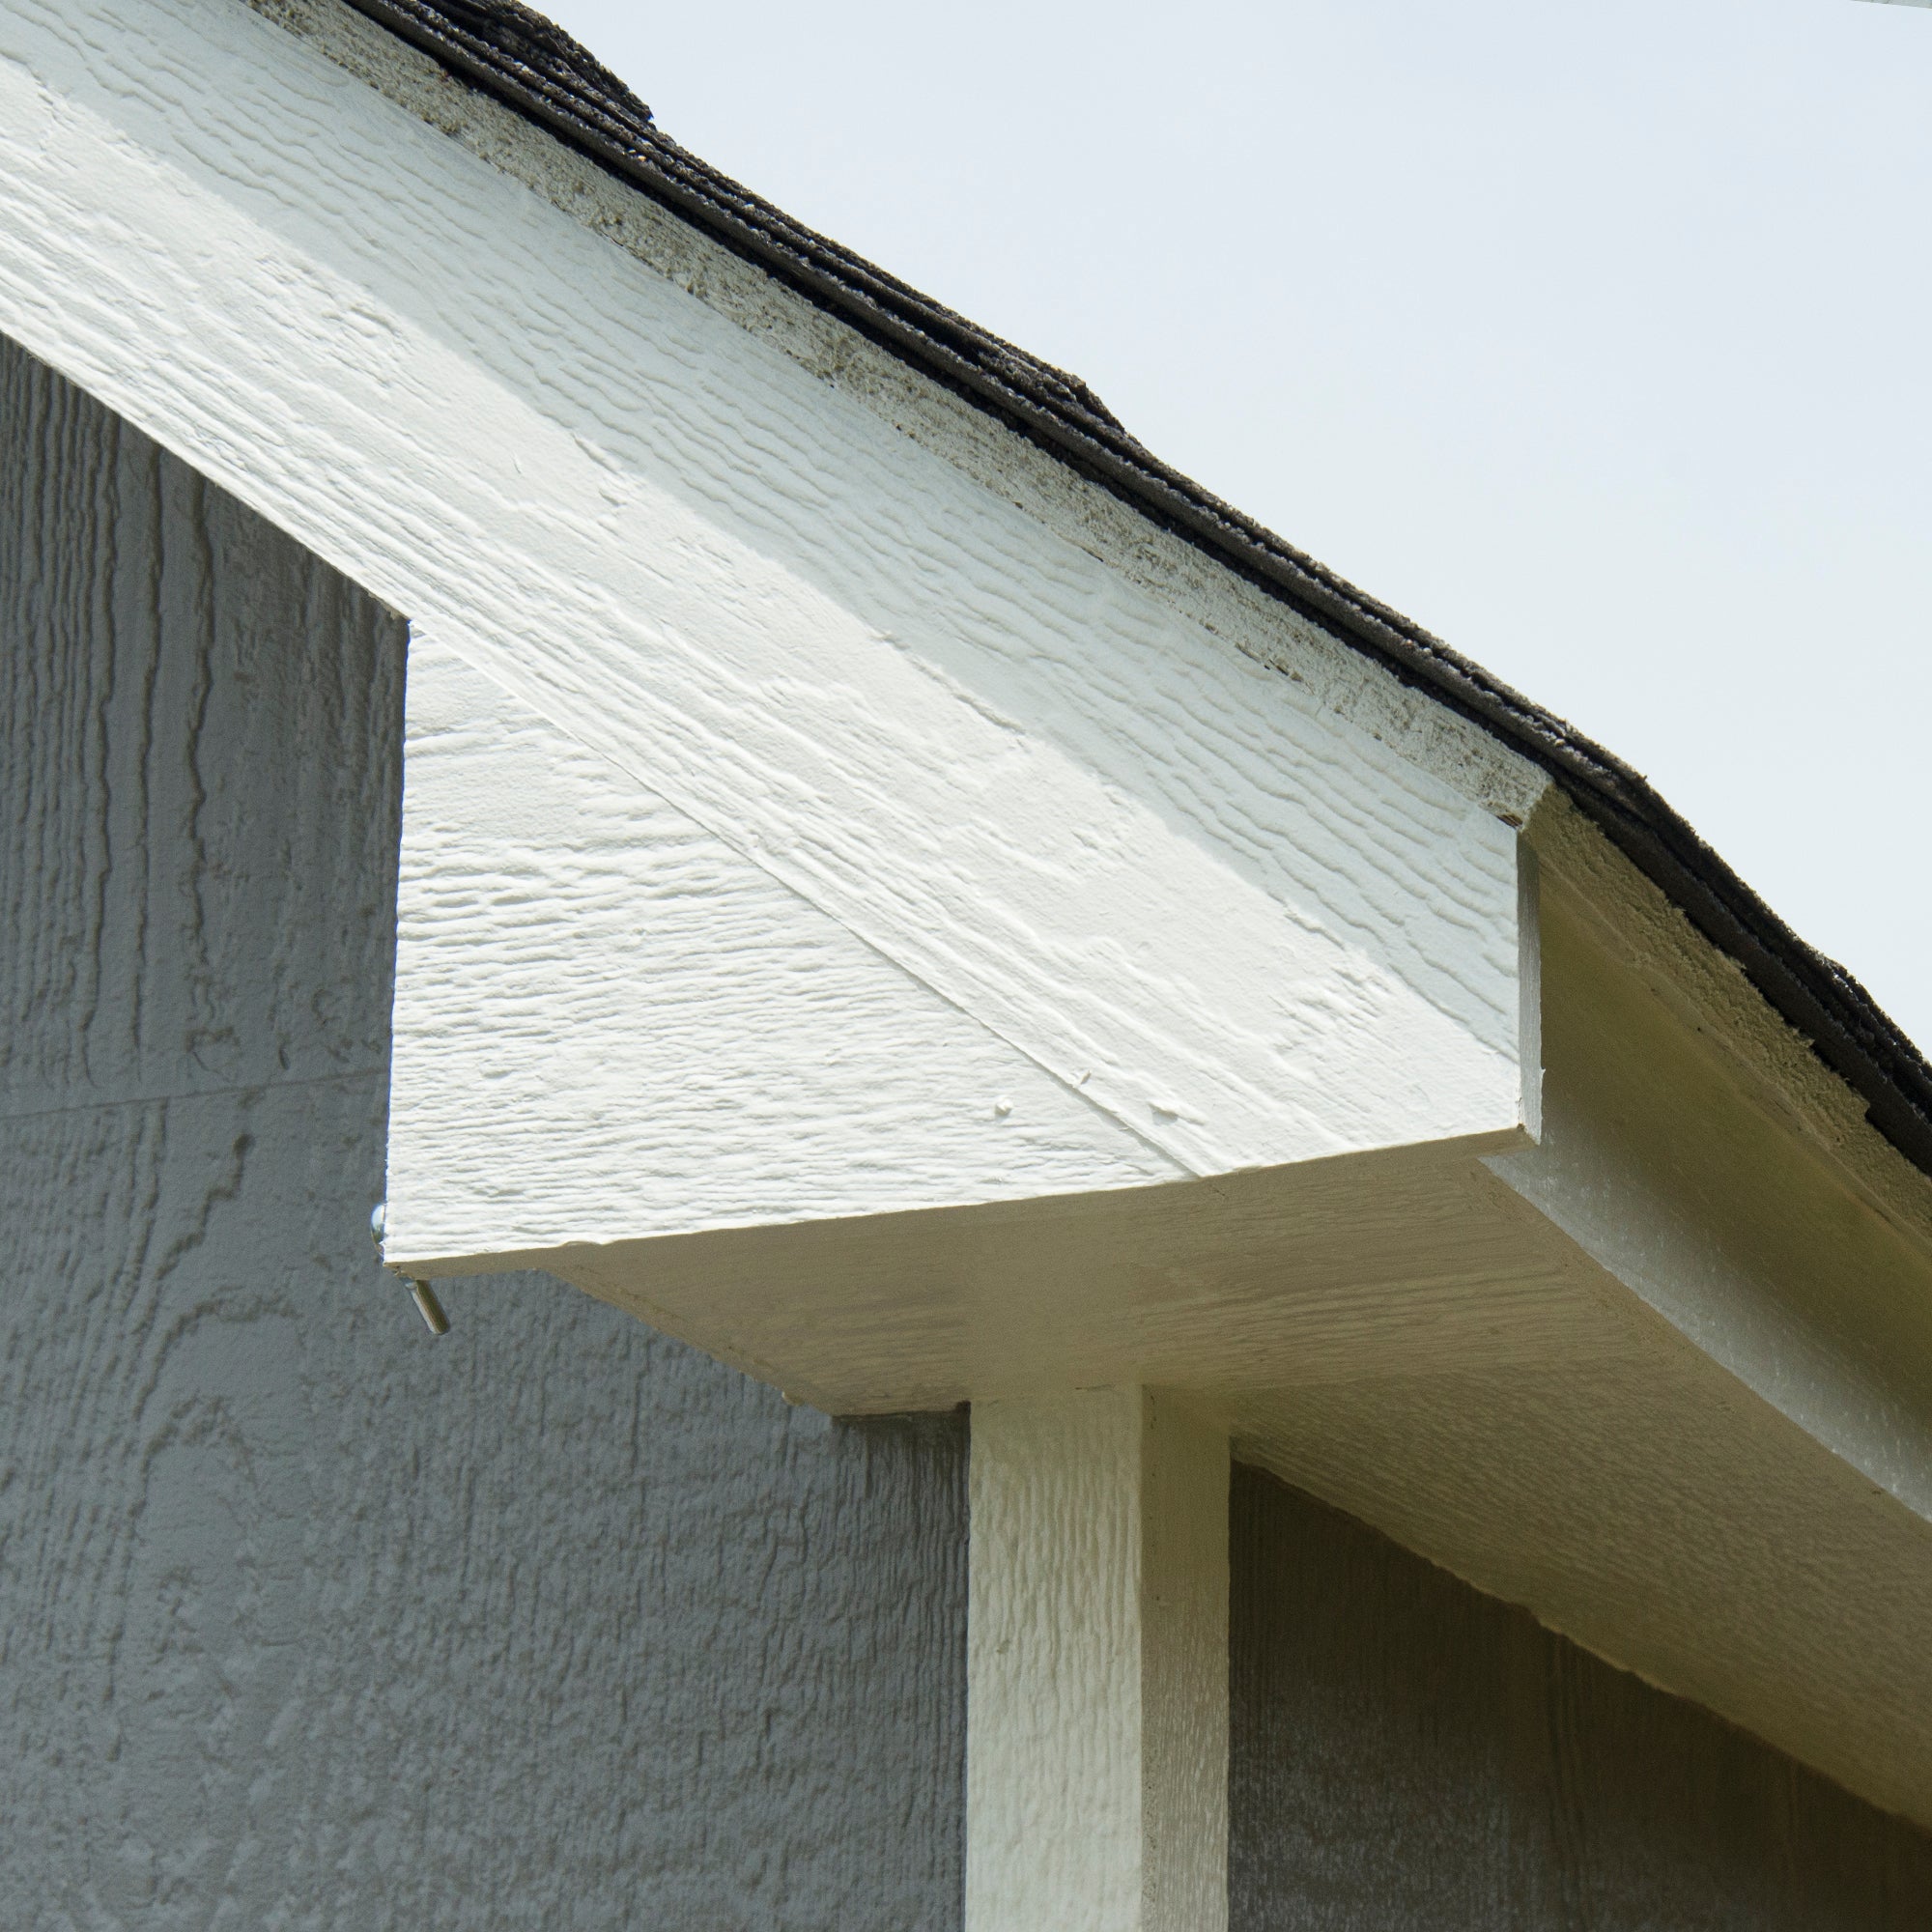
(1597, 339)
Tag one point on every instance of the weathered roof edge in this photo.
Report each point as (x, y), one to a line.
(503, 48)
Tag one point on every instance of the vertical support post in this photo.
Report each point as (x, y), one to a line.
(1097, 1720)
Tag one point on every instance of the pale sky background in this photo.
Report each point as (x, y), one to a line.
(1596, 338)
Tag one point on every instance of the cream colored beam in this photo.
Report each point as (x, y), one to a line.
(1097, 1728)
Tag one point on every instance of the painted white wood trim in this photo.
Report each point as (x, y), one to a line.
(678, 1041)
(1164, 872)
(1097, 1722)
(1335, 677)
(1183, 1667)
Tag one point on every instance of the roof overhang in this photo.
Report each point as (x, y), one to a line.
(882, 907)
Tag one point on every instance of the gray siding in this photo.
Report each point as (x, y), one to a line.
(1409, 1753)
(306, 1620)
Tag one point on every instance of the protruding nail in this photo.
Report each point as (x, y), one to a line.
(434, 1319)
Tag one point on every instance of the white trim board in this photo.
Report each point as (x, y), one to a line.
(1096, 1709)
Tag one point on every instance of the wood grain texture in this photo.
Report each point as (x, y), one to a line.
(678, 1041)
(1053, 1710)
(1153, 863)
(1330, 1271)
(1098, 1682)
(303, 1620)
(1697, 1153)
(1334, 674)
(1739, 1504)
(1407, 1753)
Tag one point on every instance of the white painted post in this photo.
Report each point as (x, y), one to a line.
(1096, 1720)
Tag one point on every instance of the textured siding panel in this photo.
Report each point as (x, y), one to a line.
(303, 1620)
(1409, 1752)
(197, 881)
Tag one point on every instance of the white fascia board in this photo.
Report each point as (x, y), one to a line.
(1227, 922)
(1700, 1153)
